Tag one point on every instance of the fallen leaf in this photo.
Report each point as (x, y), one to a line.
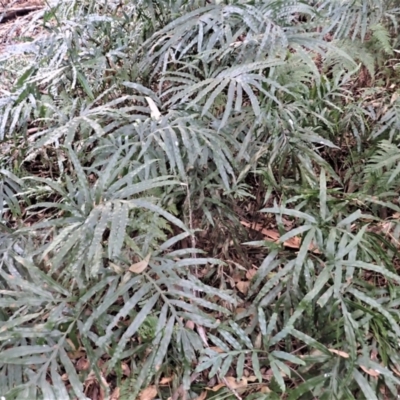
(236, 277)
(190, 325)
(148, 394)
(165, 380)
(339, 353)
(273, 236)
(232, 383)
(371, 372)
(202, 396)
(287, 223)
(216, 349)
(115, 394)
(315, 353)
(140, 266)
(117, 269)
(243, 286)
(240, 310)
(258, 341)
(82, 364)
(93, 389)
(76, 354)
(240, 267)
(125, 369)
(265, 389)
(217, 387)
(268, 374)
(250, 273)
(396, 370)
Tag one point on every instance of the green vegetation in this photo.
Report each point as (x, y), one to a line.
(145, 145)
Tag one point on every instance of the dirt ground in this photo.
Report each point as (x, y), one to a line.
(20, 3)
(14, 18)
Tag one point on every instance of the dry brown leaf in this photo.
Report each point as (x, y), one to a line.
(236, 277)
(316, 353)
(125, 369)
(148, 394)
(265, 389)
(396, 370)
(232, 383)
(216, 349)
(93, 389)
(140, 266)
(115, 394)
(215, 388)
(268, 374)
(258, 341)
(190, 325)
(76, 354)
(273, 236)
(202, 396)
(82, 364)
(250, 273)
(165, 380)
(339, 353)
(243, 286)
(117, 269)
(371, 372)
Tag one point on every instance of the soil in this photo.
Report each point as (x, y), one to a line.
(14, 15)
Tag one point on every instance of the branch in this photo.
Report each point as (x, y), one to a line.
(10, 13)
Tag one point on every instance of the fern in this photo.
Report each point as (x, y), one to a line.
(383, 167)
(382, 36)
(135, 139)
(127, 387)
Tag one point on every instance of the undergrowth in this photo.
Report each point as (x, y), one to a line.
(201, 199)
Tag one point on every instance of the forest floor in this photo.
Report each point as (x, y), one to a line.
(13, 18)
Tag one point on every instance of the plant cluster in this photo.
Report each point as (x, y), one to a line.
(128, 129)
